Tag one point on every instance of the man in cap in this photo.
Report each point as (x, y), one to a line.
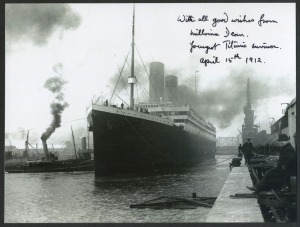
(286, 167)
(247, 151)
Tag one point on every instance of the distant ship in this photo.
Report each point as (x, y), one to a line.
(147, 137)
(38, 166)
(50, 163)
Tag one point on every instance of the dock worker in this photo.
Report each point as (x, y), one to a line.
(248, 151)
(122, 105)
(240, 149)
(286, 167)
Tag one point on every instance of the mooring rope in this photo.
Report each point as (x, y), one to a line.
(220, 161)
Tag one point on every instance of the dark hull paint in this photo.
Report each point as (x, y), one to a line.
(124, 144)
(55, 166)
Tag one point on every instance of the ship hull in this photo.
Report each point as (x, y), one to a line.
(131, 144)
(52, 166)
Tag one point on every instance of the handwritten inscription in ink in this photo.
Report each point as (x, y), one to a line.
(220, 34)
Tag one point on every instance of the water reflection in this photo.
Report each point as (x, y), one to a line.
(79, 197)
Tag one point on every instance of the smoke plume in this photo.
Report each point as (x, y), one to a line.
(55, 85)
(224, 100)
(38, 22)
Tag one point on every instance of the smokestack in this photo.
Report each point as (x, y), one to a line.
(171, 90)
(45, 148)
(157, 81)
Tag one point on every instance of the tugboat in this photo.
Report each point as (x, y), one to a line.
(50, 163)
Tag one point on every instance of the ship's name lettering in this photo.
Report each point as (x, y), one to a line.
(231, 44)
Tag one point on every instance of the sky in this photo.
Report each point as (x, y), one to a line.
(84, 47)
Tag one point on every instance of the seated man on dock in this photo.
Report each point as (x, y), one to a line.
(286, 167)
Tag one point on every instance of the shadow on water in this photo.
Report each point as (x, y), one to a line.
(198, 178)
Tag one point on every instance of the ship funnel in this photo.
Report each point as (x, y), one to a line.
(171, 90)
(156, 81)
(45, 148)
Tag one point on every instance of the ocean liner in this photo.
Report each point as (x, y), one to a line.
(146, 137)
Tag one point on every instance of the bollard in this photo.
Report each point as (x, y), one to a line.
(194, 195)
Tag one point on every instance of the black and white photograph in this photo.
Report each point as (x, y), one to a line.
(150, 113)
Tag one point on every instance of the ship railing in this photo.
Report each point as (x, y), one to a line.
(140, 110)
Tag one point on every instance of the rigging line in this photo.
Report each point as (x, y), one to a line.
(219, 162)
(122, 100)
(150, 82)
(117, 94)
(98, 99)
(136, 90)
(119, 75)
(137, 81)
(138, 93)
(125, 88)
(143, 93)
(130, 69)
(134, 129)
(144, 90)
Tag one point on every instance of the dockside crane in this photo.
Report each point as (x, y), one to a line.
(74, 142)
(240, 132)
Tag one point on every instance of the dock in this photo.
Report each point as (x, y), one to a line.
(235, 209)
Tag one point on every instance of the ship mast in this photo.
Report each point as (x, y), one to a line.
(132, 78)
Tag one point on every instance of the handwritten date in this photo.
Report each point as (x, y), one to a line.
(207, 61)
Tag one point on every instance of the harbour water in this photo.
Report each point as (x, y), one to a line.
(78, 198)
